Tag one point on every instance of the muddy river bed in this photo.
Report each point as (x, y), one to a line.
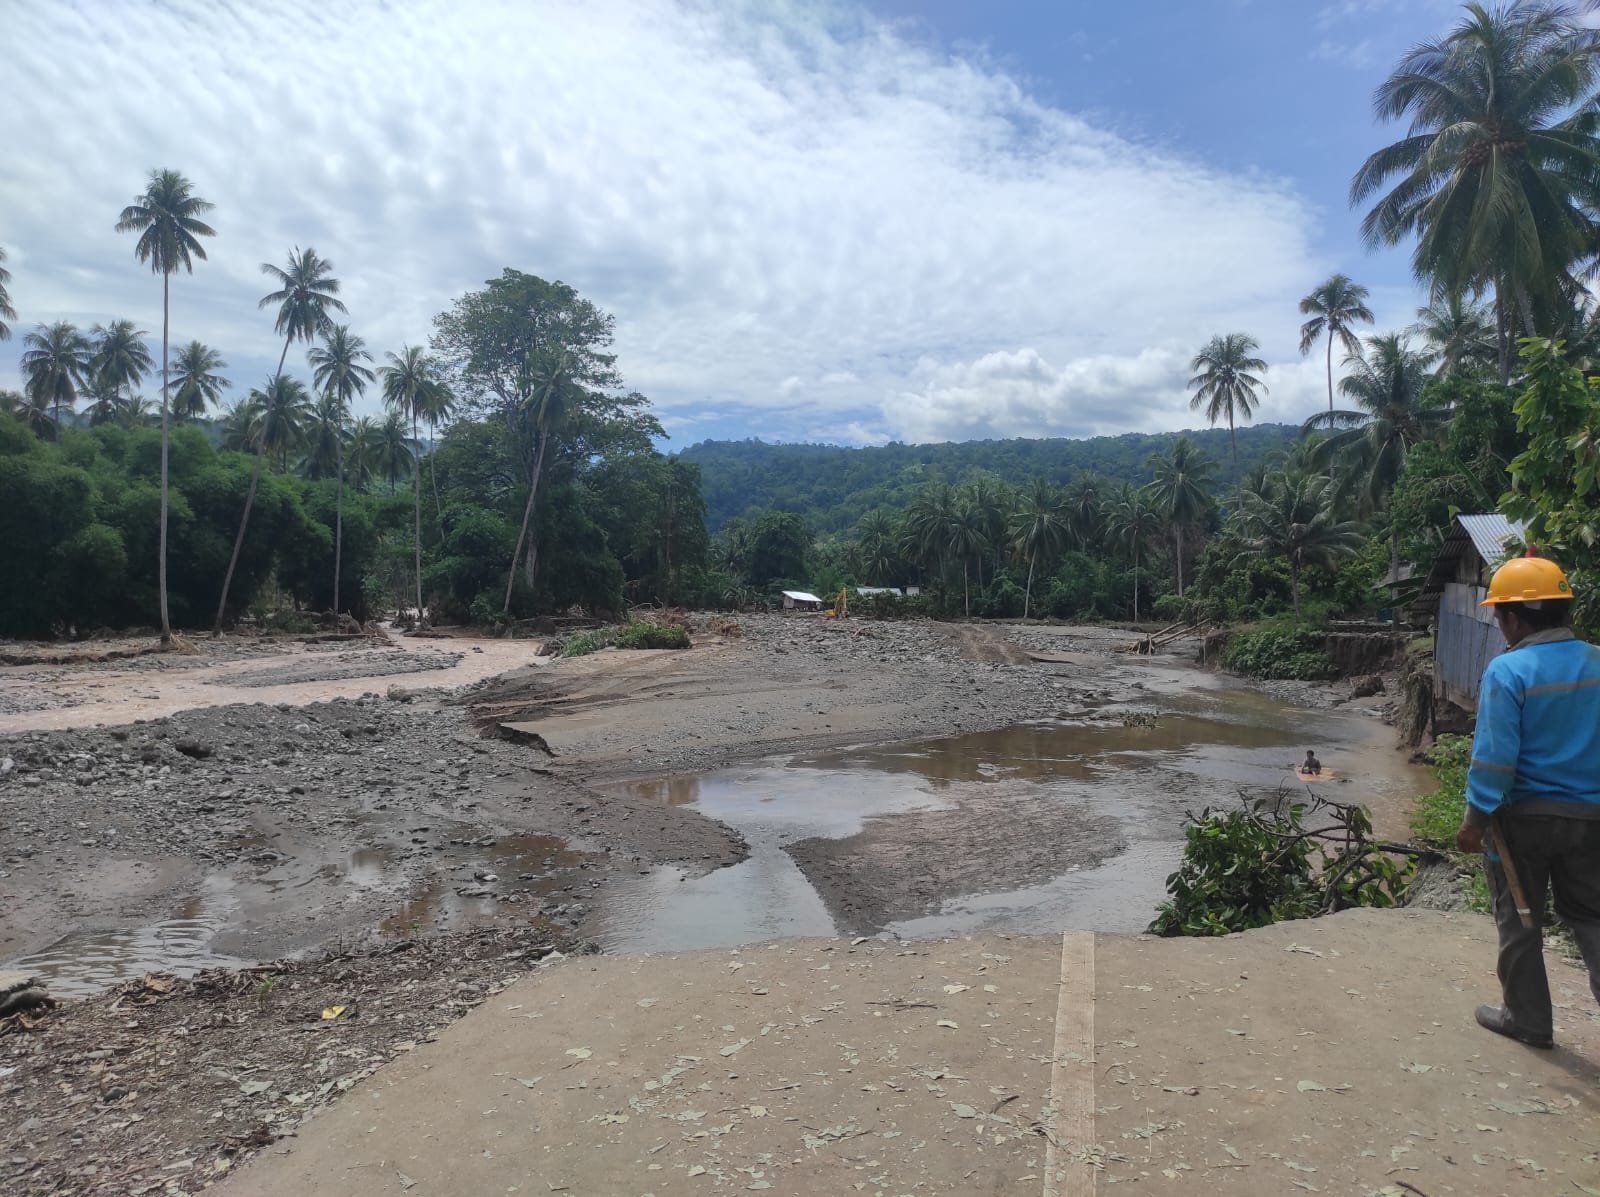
(1055, 823)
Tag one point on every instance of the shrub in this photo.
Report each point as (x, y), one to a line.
(1245, 868)
(1279, 652)
(588, 642)
(1170, 608)
(652, 635)
(889, 606)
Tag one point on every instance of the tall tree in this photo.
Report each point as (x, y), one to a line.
(7, 312)
(340, 376)
(1389, 417)
(120, 360)
(1131, 523)
(1181, 492)
(1459, 333)
(929, 517)
(408, 380)
(536, 355)
(362, 460)
(877, 552)
(1498, 176)
(966, 540)
(167, 218)
(1298, 519)
(197, 385)
(273, 420)
(394, 453)
(1039, 530)
(1227, 381)
(1334, 307)
(306, 292)
(56, 366)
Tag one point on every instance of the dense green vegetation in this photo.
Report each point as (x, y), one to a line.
(538, 485)
(833, 487)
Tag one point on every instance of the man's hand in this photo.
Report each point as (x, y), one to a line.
(1469, 839)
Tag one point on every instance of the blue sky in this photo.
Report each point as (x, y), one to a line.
(898, 219)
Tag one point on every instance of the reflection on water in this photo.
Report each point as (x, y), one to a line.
(86, 962)
(523, 865)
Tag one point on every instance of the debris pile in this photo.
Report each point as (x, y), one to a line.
(163, 1085)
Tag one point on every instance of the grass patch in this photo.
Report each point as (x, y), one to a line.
(643, 634)
(585, 643)
(1437, 815)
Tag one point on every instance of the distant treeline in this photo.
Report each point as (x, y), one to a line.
(833, 487)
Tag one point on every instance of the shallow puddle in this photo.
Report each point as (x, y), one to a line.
(1139, 774)
(86, 962)
(470, 885)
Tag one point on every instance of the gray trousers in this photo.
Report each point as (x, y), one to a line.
(1550, 852)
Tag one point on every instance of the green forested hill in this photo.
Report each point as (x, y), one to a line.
(833, 487)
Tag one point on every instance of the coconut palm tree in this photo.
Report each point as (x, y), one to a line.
(550, 391)
(1298, 519)
(965, 539)
(7, 312)
(928, 520)
(33, 410)
(408, 381)
(1334, 307)
(120, 359)
(306, 292)
(325, 432)
(1459, 333)
(104, 400)
(134, 410)
(340, 376)
(1181, 491)
(167, 218)
(877, 553)
(436, 404)
(1131, 523)
(361, 460)
(1498, 176)
(1039, 530)
(1227, 382)
(1086, 510)
(1386, 385)
(197, 386)
(56, 366)
(395, 453)
(274, 420)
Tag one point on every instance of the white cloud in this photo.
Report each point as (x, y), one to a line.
(799, 218)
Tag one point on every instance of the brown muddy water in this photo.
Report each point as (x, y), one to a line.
(1138, 779)
(1202, 749)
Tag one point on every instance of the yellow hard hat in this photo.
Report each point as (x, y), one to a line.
(1527, 579)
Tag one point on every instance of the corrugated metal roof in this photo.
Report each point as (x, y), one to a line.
(1490, 532)
(800, 596)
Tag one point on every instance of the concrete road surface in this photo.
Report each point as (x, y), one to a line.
(1335, 1056)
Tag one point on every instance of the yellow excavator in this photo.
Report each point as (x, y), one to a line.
(840, 606)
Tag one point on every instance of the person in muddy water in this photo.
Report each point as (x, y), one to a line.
(1533, 791)
(1311, 766)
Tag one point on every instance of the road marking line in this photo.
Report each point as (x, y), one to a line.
(1072, 1074)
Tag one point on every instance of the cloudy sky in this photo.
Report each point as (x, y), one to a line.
(899, 219)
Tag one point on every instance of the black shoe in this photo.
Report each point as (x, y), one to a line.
(1493, 1018)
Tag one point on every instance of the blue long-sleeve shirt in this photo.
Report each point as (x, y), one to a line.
(1537, 744)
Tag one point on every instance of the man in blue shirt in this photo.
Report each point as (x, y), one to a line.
(1533, 790)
